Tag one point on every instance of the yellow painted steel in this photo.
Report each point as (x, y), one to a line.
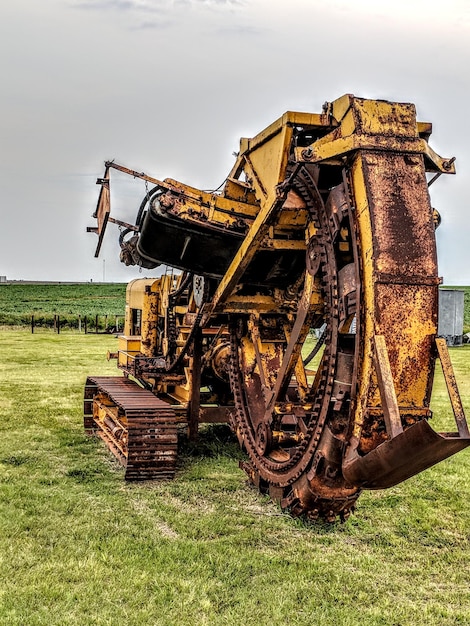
(325, 220)
(135, 299)
(375, 125)
(371, 132)
(367, 292)
(129, 346)
(401, 286)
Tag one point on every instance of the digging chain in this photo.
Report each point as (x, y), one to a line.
(289, 471)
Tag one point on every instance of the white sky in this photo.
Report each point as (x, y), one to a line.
(169, 86)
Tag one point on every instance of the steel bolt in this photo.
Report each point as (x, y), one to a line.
(448, 164)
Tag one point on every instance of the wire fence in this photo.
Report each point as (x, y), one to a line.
(107, 324)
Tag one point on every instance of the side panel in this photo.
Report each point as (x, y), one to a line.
(400, 282)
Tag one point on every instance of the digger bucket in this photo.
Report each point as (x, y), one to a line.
(407, 454)
(409, 451)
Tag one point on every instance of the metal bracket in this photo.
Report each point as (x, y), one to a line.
(452, 389)
(387, 388)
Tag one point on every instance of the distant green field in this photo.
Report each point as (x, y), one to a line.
(19, 301)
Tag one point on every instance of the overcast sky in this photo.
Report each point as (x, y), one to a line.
(169, 86)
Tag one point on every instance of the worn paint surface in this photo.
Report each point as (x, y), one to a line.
(324, 221)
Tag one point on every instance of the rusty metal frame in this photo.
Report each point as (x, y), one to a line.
(387, 387)
(452, 388)
(363, 421)
(103, 209)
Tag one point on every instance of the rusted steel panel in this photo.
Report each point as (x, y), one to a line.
(404, 270)
(387, 388)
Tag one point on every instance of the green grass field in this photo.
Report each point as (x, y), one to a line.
(19, 301)
(79, 546)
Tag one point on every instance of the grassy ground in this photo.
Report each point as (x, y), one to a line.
(79, 546)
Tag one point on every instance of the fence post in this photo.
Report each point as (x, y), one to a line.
(58, 324)
(79, 323)
(96, 325)
(32, 323)
(85, 322)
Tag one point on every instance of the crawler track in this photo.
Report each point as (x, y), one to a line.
(139, 428)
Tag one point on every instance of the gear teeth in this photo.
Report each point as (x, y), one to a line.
(313, 515)
(280, 476)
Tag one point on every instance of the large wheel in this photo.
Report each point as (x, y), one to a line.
(295, 438)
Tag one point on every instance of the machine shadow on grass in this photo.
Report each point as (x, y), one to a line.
(213, 440)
